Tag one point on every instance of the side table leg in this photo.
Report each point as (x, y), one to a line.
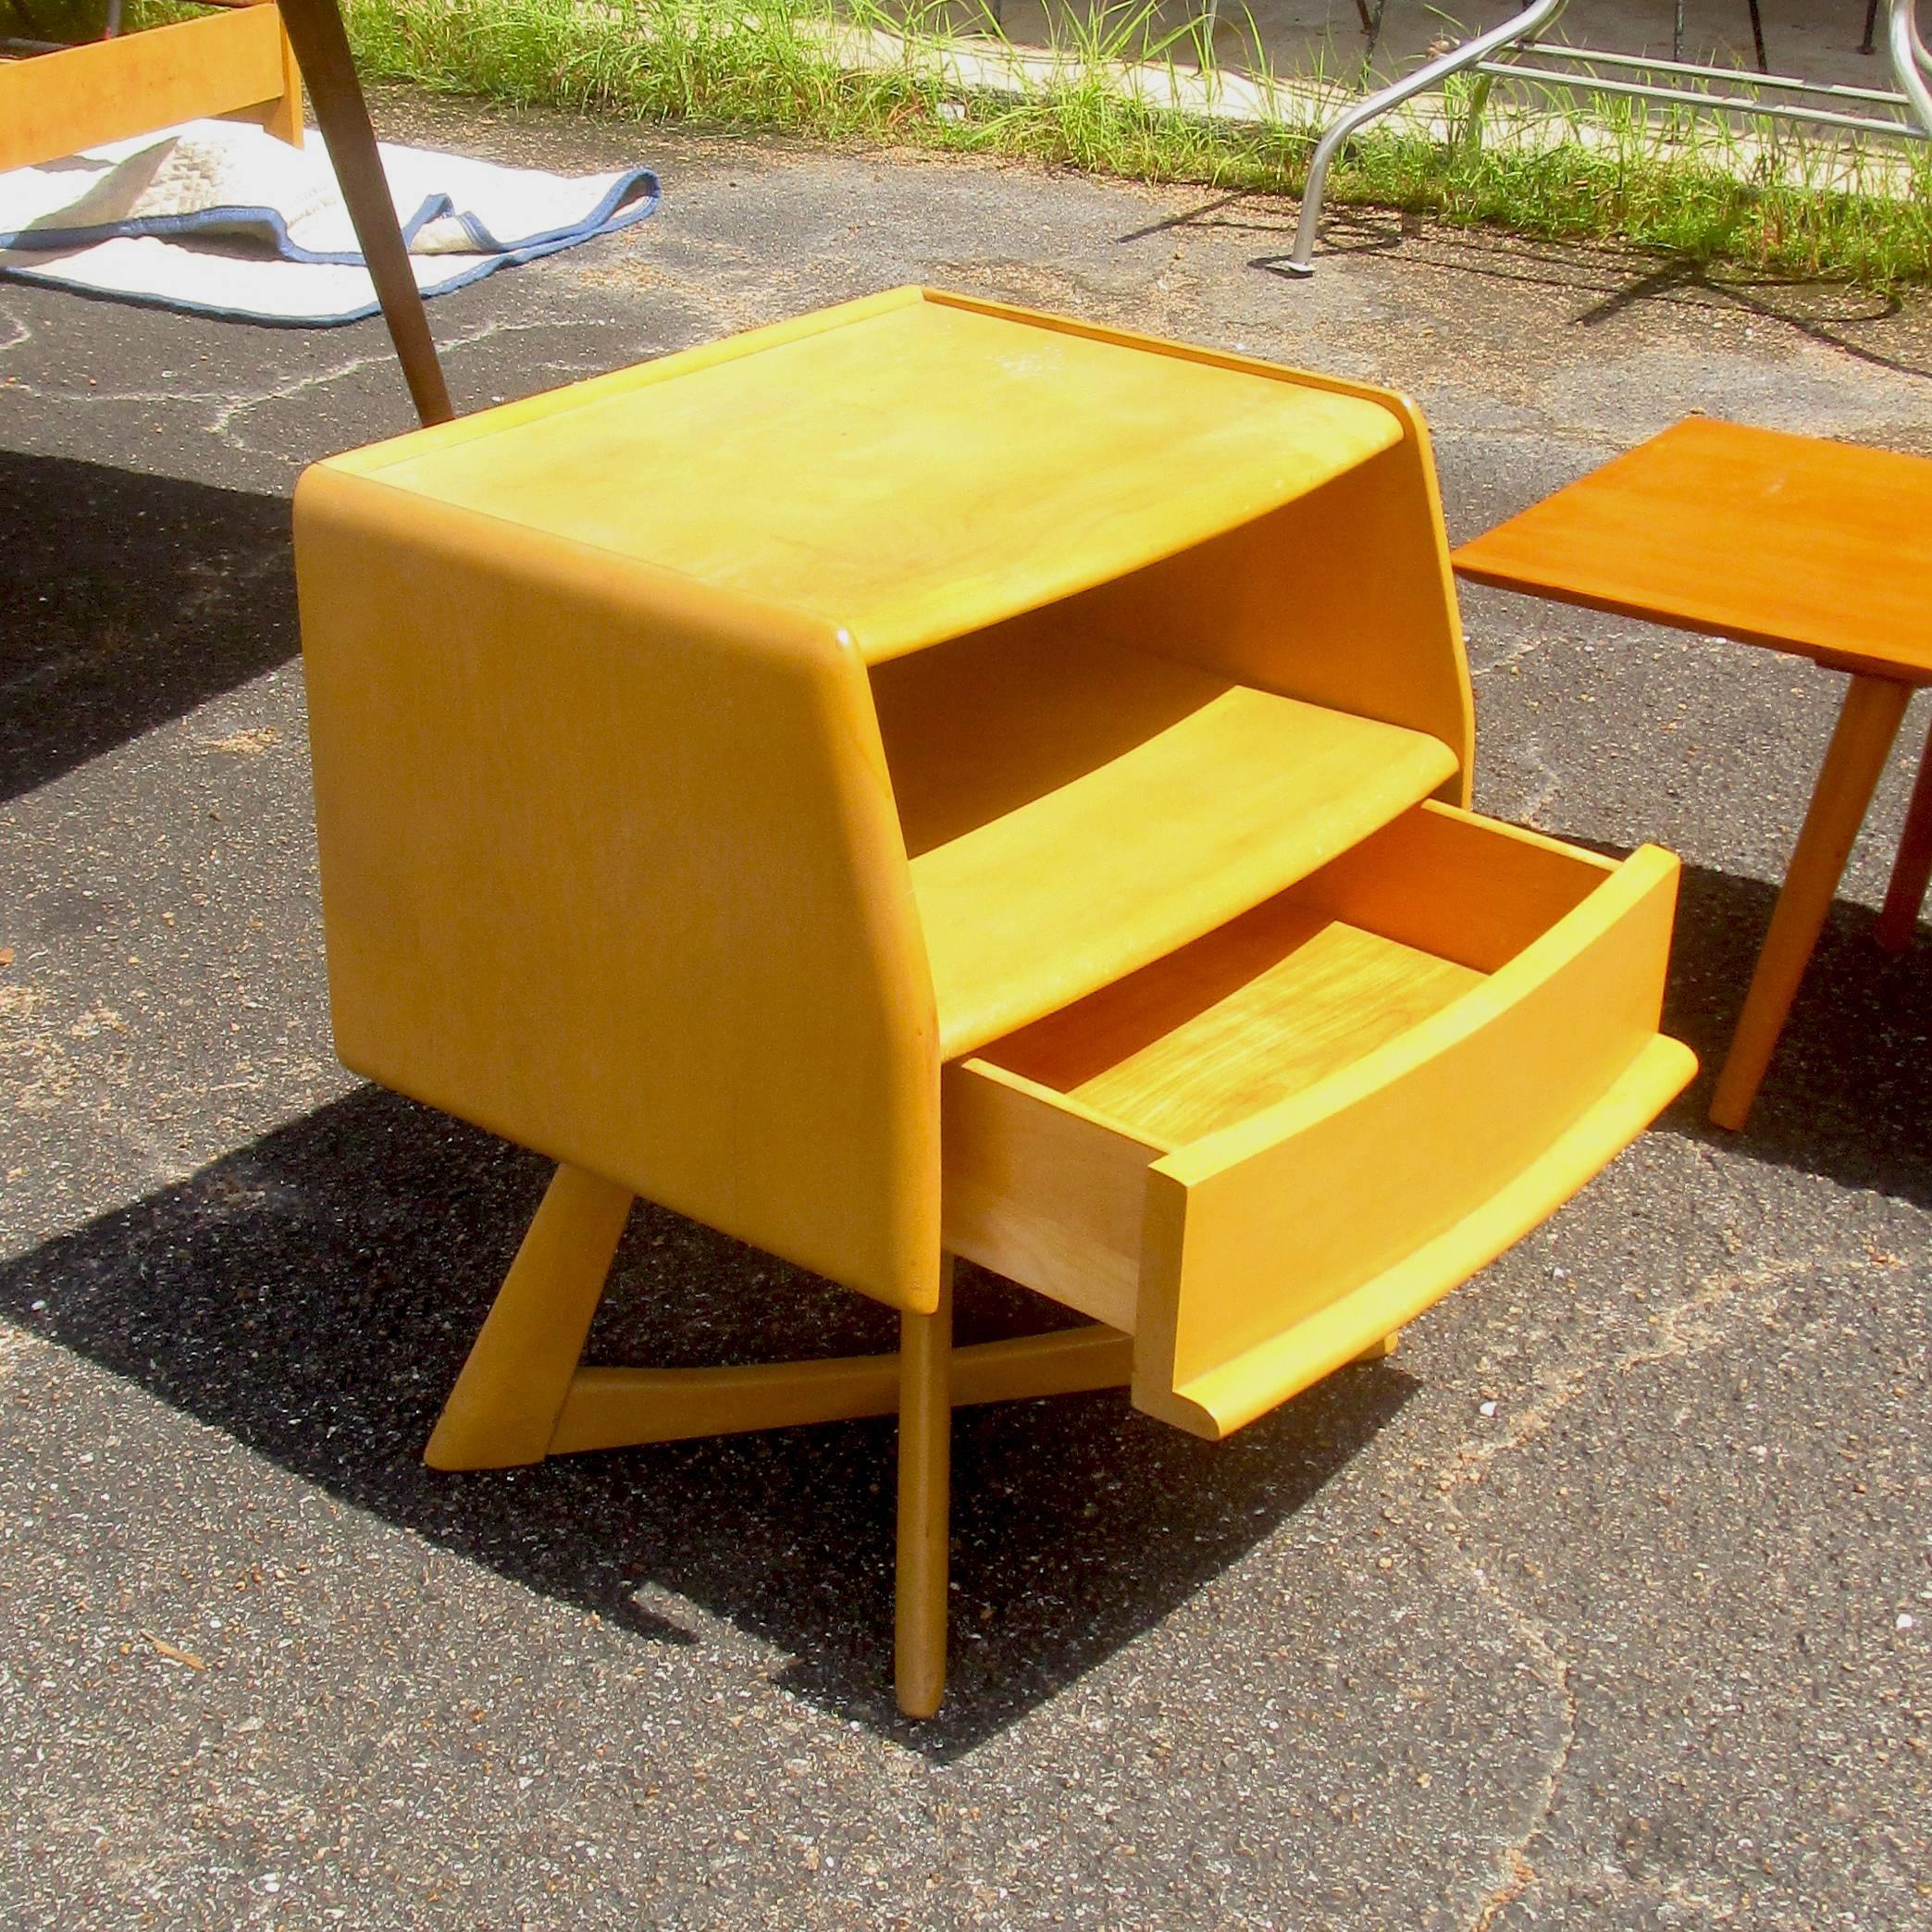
(1912, 869)
(1867, 726)
(924, 1458)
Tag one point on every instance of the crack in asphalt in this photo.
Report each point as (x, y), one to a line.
(223, 424)
(1539, 762)
(1513, 656)
(1607, 1886)
(228, 408)
(1680, 1336)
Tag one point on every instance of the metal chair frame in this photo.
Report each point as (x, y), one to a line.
(1768, 97)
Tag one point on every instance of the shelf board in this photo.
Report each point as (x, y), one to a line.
(1074, 811)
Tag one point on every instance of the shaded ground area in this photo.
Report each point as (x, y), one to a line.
(1605, 1602)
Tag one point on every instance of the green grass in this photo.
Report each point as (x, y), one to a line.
(768, 65)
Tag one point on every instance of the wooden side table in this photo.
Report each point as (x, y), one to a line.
(1002, 797)
(1818, 549)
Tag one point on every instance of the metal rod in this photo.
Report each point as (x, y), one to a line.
(1739, 77)
(1912, 64)
(1538, 15)
(1373, 39)
(1909, 59)
(1919, 56)
(1729, 104)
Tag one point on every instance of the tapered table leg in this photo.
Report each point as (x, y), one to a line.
(924, 1460)
(315, 30)
(1912, 869)
(504, 1408)
(1866, 725)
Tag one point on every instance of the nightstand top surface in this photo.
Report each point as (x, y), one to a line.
(906, 468)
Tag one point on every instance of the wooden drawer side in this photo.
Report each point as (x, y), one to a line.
(1043, 1191)
(1254, 1231)
(1466, 889)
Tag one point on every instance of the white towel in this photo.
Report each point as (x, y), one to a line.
(220, 219)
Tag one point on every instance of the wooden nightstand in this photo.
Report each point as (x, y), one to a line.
(932, 780)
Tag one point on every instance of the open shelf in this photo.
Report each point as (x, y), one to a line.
(1074, 810)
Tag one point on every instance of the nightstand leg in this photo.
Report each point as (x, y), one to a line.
(504, 1408)
(924, 1457)
(1912, 869)
(1866, 725)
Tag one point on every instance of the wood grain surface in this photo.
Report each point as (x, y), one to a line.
(1820, 549)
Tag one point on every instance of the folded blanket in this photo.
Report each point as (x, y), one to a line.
(220, 219)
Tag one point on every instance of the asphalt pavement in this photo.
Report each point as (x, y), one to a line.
(1605, 1602)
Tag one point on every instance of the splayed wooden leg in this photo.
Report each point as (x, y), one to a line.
(504, 1408)
(1859, 747)
(1912, 869)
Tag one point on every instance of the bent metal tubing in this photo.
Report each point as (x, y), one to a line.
(1910, 60)
(1525, 25)
(1911, 63)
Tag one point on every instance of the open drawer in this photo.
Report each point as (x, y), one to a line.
(1269, 1149)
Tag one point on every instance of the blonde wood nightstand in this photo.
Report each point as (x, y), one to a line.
(931, 780)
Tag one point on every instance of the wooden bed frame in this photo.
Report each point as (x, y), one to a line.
(236, 62)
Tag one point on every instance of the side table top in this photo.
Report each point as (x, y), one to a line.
(906, 468)
(1820, 549)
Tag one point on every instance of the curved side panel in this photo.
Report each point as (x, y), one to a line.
(610, 866)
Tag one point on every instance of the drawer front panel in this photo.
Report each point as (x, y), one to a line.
(1265, 1225)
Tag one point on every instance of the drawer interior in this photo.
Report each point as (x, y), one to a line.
(1315, 979)
(1283, 1140)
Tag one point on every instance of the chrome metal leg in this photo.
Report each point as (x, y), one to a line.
(1909, 59)
(1525, 25)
